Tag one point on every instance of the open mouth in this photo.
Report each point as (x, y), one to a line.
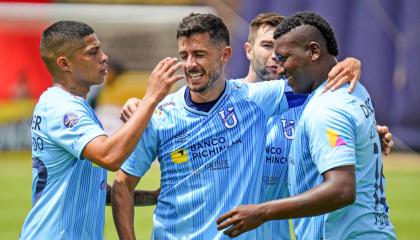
(195, 74)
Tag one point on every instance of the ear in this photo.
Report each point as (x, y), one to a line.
(314, 50)
(227, 53)
(248, 50)
(63, 64)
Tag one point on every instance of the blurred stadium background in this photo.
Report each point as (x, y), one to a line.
(136, 34)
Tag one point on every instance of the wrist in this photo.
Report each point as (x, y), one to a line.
(264, 212)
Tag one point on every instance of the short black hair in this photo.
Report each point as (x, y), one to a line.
(197, 23)
(311, 19)
(57, 37)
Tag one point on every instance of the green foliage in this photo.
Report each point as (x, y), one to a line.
(15, 198)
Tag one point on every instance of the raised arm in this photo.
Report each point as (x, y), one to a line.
(110, 152)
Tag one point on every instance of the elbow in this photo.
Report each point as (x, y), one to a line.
(111, 163)
(346, 196)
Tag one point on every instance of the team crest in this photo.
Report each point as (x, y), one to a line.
(229, 117)
(70, 119)
(288, 129)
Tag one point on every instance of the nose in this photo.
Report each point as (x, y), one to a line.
(104, 58)
(274, 58)
(190, 62)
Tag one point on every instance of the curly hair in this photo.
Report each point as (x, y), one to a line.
(271, 19)
(197, 23)
(311, 19)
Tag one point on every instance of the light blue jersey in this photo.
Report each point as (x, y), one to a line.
(339, 129)
(281, 132)
(210, 162)
(68, 192)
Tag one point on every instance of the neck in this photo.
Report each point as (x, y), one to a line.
(209, 94)
(323, 69)
(71, 88)
(252, 76)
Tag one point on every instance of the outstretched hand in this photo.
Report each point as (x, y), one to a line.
(348, 70)
(241, 219)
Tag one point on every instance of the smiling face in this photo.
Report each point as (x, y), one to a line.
(89, 62)
(295, 59)
(203, 62)
(260, 53)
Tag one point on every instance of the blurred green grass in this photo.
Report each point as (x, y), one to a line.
(402, 173)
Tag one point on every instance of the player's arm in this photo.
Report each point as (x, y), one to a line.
(346, 71)
(110, 152)
(338, 190)
(123, 204)
(385, 137)
(141, 197)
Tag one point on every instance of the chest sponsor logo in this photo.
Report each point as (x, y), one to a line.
(70, 119)
(229, 117)
(179, 156)
(288, 129)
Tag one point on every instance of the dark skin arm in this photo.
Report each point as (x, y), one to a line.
(123, 204)
(142, 198)
(338, 190)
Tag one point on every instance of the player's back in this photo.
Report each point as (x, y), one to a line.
(339, 129)
(68, 193)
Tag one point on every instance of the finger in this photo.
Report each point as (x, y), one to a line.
(173, 69)
(224, 217)
(353, 82)
(175, 78)
(336, 70)
(231, 231)
(170, 62)
(340, 82)
(328, 86)
(160, 64)
(236, 233)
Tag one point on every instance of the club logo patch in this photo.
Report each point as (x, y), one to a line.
(288, 129)
(70, 119)
(229, 118)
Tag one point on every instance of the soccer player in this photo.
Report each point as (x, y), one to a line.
(208, 138)
(281, 128)
(70, 150)
(335, 166)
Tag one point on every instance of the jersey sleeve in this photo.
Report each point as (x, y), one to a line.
(144, 154)
(269, 95)
(72, 126)
(331, 134)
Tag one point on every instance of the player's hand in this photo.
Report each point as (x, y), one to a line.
(386, 139)
(128, 109)
(240, 220)
(348, 70)
(161, 79)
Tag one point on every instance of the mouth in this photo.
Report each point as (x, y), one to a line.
(195, 74)
(104, 70)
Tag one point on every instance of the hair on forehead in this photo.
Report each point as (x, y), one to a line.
(59, 37)
(315, 26)
(197, 23)
(270, 19)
